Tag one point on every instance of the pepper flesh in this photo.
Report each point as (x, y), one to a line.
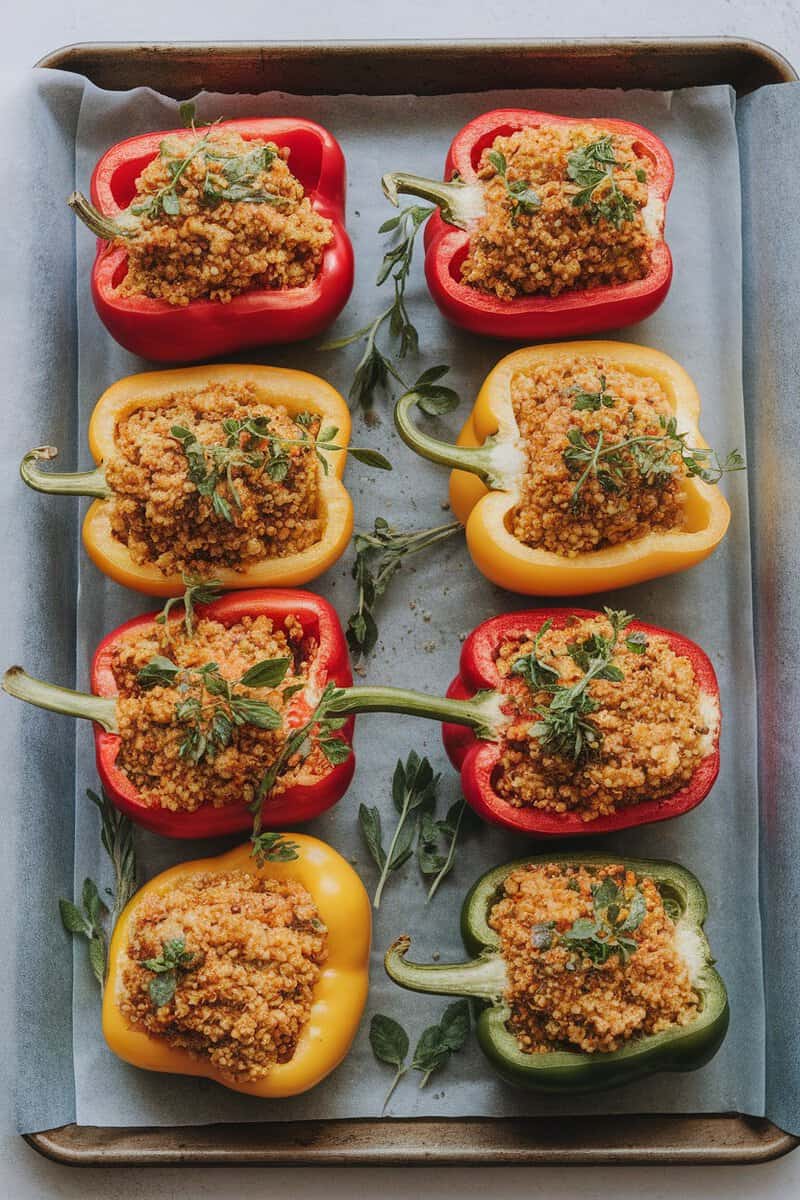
(683, 1048)
(447, 234)
(339, 995)
(478, 760)
(297, 391)
(489, 462)
(207, 328)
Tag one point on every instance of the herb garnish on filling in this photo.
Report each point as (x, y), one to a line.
(606, 717)
(591, 958)
(592, 169)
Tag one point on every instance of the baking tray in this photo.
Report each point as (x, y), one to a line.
(426, 68)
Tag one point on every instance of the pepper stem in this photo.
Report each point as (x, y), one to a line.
(459, 203)
(72, 483)
(483, 712)
(93, 219)
(479, 460)
(102, 709)
(484, 977)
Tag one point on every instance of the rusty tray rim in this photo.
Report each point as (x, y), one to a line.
(649, 1139)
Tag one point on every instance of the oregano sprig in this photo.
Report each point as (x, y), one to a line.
(89, 919)
(211, 708)
(390, 1044)
(591, 167)
(196, 591)
(273, 847)
(250, 442)
(438, 841)
(376, 368)
(654, 457)
(414, 787)
(565, 726)
(319, 730)
(379, 555)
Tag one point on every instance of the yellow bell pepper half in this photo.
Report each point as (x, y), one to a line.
(484, 492)
(339, 996)
(298, 391)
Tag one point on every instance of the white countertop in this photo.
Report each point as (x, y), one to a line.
(32, 30)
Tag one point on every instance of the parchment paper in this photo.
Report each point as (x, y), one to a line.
(434, 603)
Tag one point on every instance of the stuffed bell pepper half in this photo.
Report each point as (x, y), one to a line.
(219, 237)
(227, 471)
(252, 974)
(546, 226)
(582, 469)
(591, 971)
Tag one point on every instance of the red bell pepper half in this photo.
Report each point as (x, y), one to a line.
(478, 701)
(478, 760)
(460, 204)
(207, 328)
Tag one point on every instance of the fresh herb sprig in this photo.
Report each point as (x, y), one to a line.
(376, 368)
(320, 729)
(250, 443)
(390, 1044)
(565, 727)
(231, 177)
(88, 919)
(196, 591)
(521, 196)
(379, 555)
(175, 960)
(414, 787)
(537, 674)
(273, 847)
(210, 708)
(438, 840)
(592, 169)
(655, 457)
(618, 912)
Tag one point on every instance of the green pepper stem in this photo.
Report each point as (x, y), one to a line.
(483, 712)
(93, 219)
(102, 709)
(484, 977)
(460, 204)
(479, 460)
(73, 483)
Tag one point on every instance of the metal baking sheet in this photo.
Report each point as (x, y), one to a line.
(427, 69)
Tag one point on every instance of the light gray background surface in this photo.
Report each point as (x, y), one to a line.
(30, 33)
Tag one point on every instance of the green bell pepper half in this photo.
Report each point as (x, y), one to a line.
(681, 1048)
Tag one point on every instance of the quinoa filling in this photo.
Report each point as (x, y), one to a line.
(591, 958)
(564, 211)
(639, 733)
(572, 500)
(180, 743)
(224, 965)
(214, 478)
(215, 215)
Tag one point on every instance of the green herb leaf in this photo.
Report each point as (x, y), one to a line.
(273, 847)
(379, 555)
(438, 1042)
(521, 196)
(268, 673)
(187, 111)
(369, 821)
(158, 672)
(435, 859)
(197, 591)
(389, 1042)
(592, 169)
(88, 920)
